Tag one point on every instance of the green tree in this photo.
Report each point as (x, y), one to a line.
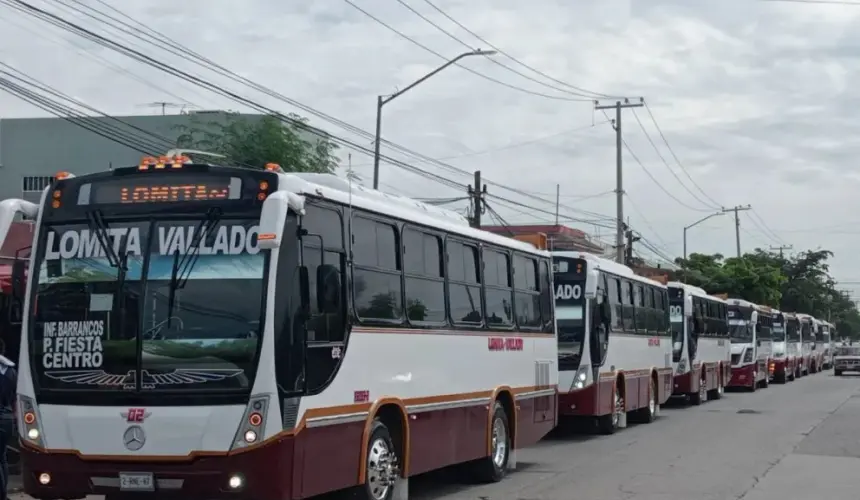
(256, 141)
(745, 277)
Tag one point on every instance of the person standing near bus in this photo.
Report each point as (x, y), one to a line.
(8, 384)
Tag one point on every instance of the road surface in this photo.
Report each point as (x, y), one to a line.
(801, 440)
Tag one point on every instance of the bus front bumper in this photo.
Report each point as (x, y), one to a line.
(263, 472)
(743, 376)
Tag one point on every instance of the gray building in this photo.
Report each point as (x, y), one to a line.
(33, 150)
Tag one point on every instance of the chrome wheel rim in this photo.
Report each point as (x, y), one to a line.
(619, 407)
(379, 469)
(652, 400)
(500, 443)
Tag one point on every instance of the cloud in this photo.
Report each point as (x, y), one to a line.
(754, 98)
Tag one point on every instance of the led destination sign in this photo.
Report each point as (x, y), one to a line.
(174, 189)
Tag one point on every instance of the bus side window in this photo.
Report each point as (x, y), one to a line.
(615, 302)
(464, 284)
(425, 284)
(546, 297)
(327, 321)
(377, 285)
(651, 325)
(627, 306)
(640, 313)
(497, 288)
(526, 294)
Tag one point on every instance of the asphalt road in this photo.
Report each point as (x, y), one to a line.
(801, 440)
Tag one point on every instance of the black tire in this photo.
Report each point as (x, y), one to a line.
(838, 373)
(697, 398)
(494, 468)
(715, 394)
(606, 424)
(381, 450)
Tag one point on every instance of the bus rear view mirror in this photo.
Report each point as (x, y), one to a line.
(328, 289)
(591, 284)
(19, 269)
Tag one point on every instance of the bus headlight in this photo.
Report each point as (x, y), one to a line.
(28, 421)
(581, 377)
(748, 355)
(682, 367)
(253, 424)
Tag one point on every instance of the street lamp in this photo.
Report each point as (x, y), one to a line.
(703, 219)
(383, 100)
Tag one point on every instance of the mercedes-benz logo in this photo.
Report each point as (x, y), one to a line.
(134, 438)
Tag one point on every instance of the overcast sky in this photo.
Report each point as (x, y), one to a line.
(752, 96)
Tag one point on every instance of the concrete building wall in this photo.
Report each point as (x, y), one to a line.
(32, 150)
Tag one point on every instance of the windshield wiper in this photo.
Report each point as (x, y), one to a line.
(181, 270)
(97, 225)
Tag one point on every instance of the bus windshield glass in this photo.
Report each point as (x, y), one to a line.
(778, 331)
(183, 315)
(676, 318)
(806, 331)
(740, 331)
(793, 330)
(569, 277)
(847, 350)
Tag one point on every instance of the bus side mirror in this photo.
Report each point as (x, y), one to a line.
(19, 283)
(328, 289)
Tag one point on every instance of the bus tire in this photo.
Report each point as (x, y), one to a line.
(701, 396)
(493, 468)
(717, 393)
(383, 465)
(608, 424)
(648, 414)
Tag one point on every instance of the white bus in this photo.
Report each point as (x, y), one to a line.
(807, 338)
(215, 332)
(817, 356)
(750, 330)
(614, 344)
(787, 347)
(827, 334)
(701, 351)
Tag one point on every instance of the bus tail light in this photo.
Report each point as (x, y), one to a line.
(31, 428)
(146, 162)
(253, 424)
(63, 175)
(274, 167)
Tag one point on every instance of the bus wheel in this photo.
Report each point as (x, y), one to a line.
(608, 424)
(383, 468)
(649, 413)
(700, 397)
(717, 393)
(493, 468)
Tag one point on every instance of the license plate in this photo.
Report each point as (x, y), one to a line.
(136, 481)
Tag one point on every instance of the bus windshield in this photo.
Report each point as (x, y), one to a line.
(170, 322)
(778, 332)
(845, 350)
(793, 330)
(740, 331)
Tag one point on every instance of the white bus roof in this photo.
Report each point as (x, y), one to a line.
(609, 266)
(803, 316)
(694, 291)
(333, 188)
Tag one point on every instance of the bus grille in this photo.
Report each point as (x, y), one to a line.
(291, 412)
(736, 358)
(542, 374)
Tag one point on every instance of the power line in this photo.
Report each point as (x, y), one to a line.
(517, 61)
(677, 160)
(666, 164)
(497, 63)
(470, 70)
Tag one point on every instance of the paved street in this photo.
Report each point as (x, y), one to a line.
(800, 440)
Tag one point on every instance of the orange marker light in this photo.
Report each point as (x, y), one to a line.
(261, 196)
(274, 167)
(266, 236)
(62, 175)
(264, 186)
(55, 204)
(255, 419)
(29, 418)
(57, 193)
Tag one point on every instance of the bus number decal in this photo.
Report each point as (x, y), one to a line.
(654, 342)
(361, 396)
(568, 292)
(505, 344)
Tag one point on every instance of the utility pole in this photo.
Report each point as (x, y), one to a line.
(477, 193)
(631, 239)
(737, 209)
(557, 197)
(781, 248)
(619, 184)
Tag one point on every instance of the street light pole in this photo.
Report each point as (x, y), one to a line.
(383, 100)
(703, 219)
